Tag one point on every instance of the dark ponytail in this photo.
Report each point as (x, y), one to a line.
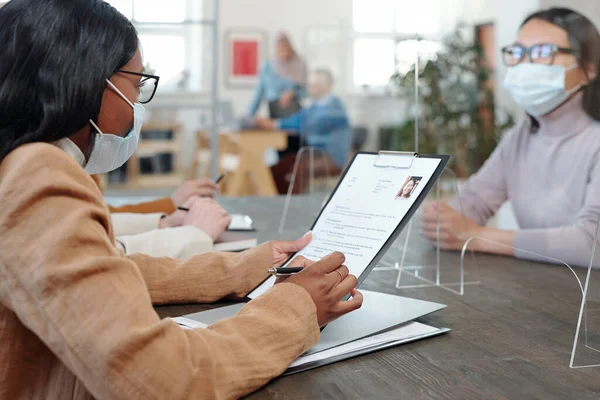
(585, 41)
(56, 57)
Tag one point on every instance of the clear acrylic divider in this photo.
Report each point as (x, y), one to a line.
(421, 262)
(311, 183)
(586, 344)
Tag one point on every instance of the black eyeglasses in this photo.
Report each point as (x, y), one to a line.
(538, 53)
(148, 85)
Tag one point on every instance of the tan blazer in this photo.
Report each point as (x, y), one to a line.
(76, 316)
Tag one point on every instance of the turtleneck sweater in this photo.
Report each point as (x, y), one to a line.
(551, 176)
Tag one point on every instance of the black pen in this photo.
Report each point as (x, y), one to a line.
(219, 179)
(284, 271)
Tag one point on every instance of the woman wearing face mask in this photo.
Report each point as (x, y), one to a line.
(76, 315)
(548, 167)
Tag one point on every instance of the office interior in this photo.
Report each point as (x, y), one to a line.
(416, 76)
(370, 48)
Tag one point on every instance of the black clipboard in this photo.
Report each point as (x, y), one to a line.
(407, 159)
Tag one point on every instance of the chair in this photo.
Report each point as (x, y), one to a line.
(359, 138)
(322, 177)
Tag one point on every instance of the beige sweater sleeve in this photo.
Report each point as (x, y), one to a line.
(180, 243)
(63, 277)
(127, 224)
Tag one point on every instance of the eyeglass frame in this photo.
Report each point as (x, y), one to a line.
(147, 76)
(527, 52)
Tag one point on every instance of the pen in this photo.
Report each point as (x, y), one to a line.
(219, 179)
(284, 271)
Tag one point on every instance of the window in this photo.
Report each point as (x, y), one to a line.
(407, 50)
(373, 16)
(417, 16)
(373, 61)
(169, 46)
(152, 10)
(165, 55)
(385, 32)
(158, 11)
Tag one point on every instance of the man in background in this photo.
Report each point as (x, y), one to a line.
(323, 125)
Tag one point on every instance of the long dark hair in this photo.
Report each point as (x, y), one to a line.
(56, 57)
(585, 41)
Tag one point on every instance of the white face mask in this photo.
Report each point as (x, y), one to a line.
(539, 89)
(112, 151)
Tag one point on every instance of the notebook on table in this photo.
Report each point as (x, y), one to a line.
(231, 241)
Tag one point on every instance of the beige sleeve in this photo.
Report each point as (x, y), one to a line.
(205, 278)
(180, 243)
(65, 280)
(127, 224)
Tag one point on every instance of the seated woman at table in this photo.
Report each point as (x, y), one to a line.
(76, 315)
(323, 125)
(548, 166)
(157, 228)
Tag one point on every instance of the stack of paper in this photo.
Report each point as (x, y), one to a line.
(407, 333)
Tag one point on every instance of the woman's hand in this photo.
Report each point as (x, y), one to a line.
(328, 282)
(207, 215)
(195, 188)
(282, 251)
(455, 228)
(286, 98)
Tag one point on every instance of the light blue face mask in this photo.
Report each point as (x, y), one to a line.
(539, 89)
(112, 151)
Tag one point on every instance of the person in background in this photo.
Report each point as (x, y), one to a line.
(282, 82)
(548, 166)
(196, 231)
(157, 228)
(168, 205)
(324, 125)
(77, 316)
(282, 79)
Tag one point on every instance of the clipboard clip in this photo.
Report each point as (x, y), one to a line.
(395, 159)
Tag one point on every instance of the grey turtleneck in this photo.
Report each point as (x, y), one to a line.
(552, 179)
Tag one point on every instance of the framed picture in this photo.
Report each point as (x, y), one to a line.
(246, 51)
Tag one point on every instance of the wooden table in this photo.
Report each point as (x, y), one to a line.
(252, 176)
(511, 335)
